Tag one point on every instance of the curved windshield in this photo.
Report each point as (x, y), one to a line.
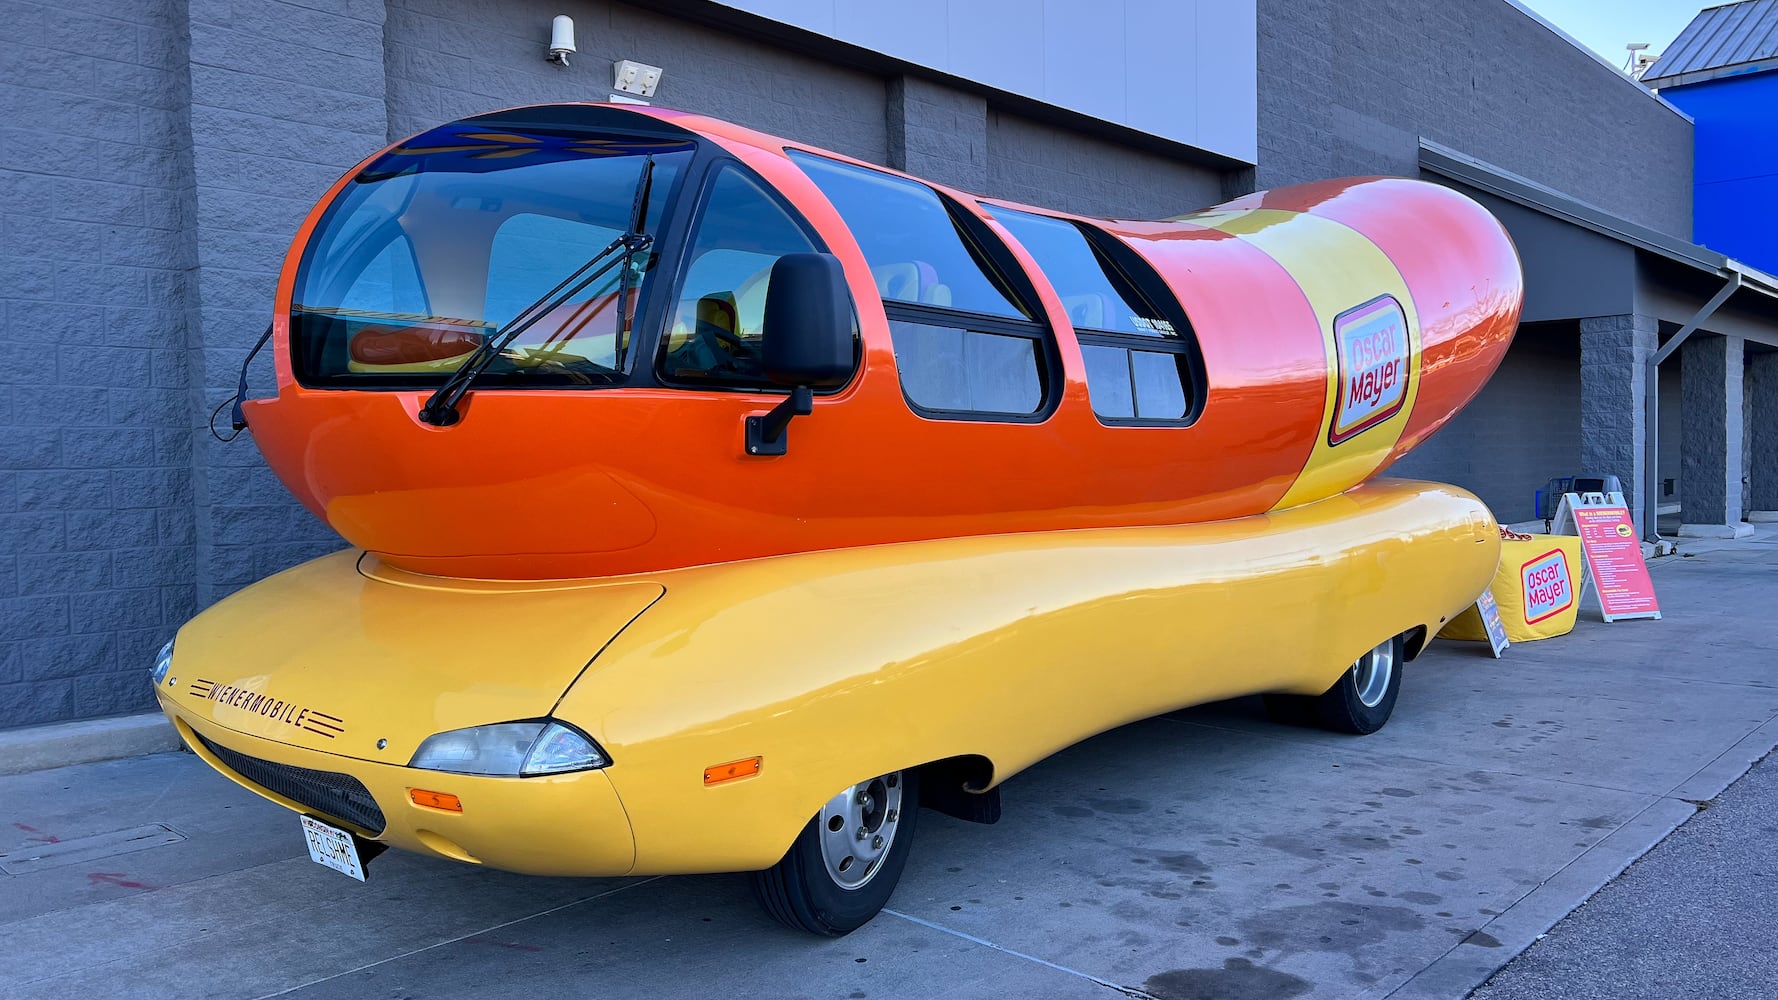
(453, 235)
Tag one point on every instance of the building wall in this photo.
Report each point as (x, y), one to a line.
(1522, 429)
(1349, 86)
(96, 520)
(451, 58)
(1736, 164)
(1046, 165)
(156, 157)
(1179, 69)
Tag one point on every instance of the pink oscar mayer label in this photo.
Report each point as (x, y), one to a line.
(1372, 350)
(1547, 587)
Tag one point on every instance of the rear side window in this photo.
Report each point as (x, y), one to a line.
(967, 344)
(1140, 358)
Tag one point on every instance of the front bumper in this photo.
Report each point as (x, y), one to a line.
(567, 824)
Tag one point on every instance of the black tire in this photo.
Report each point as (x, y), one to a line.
(802, 892)
(1345, 707)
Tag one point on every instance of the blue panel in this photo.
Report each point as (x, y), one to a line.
(1735, 151)
(1736, 218)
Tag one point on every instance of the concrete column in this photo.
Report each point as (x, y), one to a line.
(1710, 435)
(938, 133)
(1614, 353)
(1761, 388)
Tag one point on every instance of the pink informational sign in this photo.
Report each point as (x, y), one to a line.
(1614, 559)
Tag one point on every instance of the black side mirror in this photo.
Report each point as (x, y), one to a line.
(807, 341)
(807, 331)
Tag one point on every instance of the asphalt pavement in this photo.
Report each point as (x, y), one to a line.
(1208, 853)
(1695, 917)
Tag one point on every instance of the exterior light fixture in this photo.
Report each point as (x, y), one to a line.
(561, 39)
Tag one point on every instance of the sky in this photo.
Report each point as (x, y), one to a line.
(1605, 26)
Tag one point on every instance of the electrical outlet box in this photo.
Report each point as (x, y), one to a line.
(636, 78)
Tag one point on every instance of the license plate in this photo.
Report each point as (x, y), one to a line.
(333, 847)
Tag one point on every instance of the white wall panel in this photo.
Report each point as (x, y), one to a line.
(1161, 84)
(1180, 69)
(1002, 37)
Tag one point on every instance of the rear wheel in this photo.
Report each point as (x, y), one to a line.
(844, 865)
(1360, 702)
(1364, 697)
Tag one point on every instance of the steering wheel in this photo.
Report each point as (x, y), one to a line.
(720, 342)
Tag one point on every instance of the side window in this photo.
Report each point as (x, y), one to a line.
(1139, 361)
(714, 331)
(965, 343)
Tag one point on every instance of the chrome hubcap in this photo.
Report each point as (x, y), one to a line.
(858, 828)
(1372, 672)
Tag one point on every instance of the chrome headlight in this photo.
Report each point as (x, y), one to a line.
(163, 662)
(511, 749)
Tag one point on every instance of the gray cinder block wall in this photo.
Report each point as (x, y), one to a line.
(96, 517)
(1525, 422)
(156, 157)
(1340, 93)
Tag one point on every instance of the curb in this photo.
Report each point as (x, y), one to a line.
(39, 748)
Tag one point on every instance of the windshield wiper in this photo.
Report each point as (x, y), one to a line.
(440, 409)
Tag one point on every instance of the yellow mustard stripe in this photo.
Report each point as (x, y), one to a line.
(1338, 269)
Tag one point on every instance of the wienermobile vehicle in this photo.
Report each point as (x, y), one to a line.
(716, 500)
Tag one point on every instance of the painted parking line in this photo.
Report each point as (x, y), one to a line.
(1129, 991)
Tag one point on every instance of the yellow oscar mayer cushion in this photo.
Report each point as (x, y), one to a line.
(1537, 587)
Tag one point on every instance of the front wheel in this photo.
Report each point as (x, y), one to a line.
(843, 866)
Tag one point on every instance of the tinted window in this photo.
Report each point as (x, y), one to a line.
(951, 369)
(390, 282)
(1138, 362)
(441, 240)
(1095, 295)
(714, 334)
(530, 254)
(916, 251)
(1136, 385)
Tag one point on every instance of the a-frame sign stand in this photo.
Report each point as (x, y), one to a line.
(1611, 554)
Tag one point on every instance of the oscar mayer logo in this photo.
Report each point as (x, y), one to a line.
(1548, 590)
(1371, 345)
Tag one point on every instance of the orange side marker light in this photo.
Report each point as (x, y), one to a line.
(435, 800)
(732, 771)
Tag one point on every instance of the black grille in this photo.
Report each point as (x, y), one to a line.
(339, 796)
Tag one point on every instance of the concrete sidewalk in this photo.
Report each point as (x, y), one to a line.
(1205, 854)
